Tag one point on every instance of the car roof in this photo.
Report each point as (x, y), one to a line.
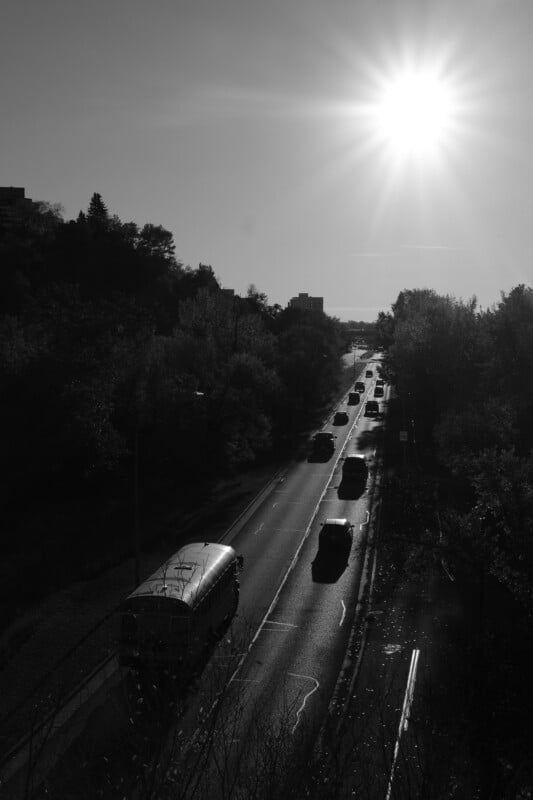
(337, 521)
(359, 456)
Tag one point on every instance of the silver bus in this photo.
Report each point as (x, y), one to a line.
(170, 618)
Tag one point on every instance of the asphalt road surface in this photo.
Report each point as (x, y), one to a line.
(288, 646)
(280, 664)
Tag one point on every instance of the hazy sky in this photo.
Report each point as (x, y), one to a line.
(246, 127)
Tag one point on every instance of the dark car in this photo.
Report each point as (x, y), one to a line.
(355, 468)
(371, 408)
(369, 374)
(340, 418)
(353, 398)
(359, 387)
(378, 391)
(380, 382)
(335, 534)
(323, 443)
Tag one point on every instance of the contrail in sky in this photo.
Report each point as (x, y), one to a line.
(369, 255)
(384, 254)
(428, 247)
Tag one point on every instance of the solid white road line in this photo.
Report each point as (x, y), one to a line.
(287, 624)
(404, 718)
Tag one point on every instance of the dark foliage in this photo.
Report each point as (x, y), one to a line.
(462, 497)
(115, 360)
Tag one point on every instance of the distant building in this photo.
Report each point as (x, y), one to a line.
(307, 303)
(14, 206)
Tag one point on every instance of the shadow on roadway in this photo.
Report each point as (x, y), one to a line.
(351, 489)
(319, 458)
(328, 567)
(369, 438)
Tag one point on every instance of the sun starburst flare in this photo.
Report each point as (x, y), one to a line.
(413, 114)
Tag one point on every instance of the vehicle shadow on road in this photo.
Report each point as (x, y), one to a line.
(318, 458)
(329, 568)
(350, 489)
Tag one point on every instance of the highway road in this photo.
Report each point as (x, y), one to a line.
(311, 657)
(287, 649)
(369, 676)
(281, 664)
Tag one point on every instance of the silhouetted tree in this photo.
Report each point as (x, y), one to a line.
(158, 243)
(97, 212)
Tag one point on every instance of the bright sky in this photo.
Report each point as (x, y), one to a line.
(344, 148)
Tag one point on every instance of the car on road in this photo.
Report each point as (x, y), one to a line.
(359, 387)
(378, 391)
(355, 468)
(353, 398)
(369, 374)
(371, 408)
(323, 443)
(335, 534)
(380, 382)
(340, 418)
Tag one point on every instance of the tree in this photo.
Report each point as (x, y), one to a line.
(158, 243)
(384, 329)
(97, 213)
(257, 301)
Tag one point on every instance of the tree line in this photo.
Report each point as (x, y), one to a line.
(115, 358)
(465, 381)
(462, 501)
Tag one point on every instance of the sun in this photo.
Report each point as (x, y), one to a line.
(414, 113)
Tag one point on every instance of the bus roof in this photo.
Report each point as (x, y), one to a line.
(188, 574)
